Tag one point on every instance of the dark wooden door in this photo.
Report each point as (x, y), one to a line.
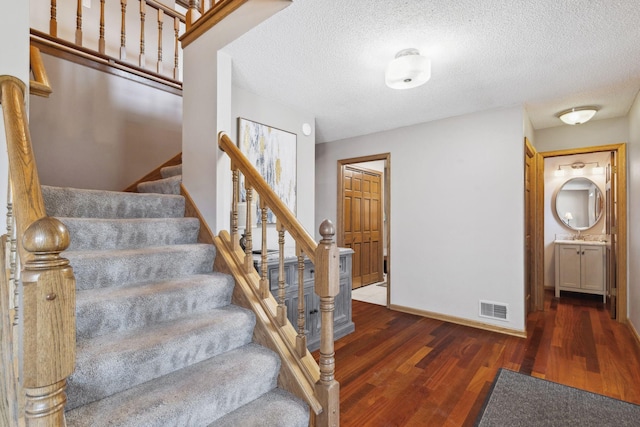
(362, 223)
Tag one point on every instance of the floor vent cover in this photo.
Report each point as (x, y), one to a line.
(494, 310)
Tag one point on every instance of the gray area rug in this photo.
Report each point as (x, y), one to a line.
(520, 400)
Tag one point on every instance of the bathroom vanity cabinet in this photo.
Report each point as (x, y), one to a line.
(342, 323)
(580, 267)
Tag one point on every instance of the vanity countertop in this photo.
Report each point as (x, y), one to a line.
(580, 242)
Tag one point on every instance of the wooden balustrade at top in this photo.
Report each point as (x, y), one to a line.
(324, 255)
(46, 317)
(113, 32)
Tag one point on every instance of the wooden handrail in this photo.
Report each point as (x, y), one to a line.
(28, 204)
(171, 12)
(281, 211)
(325, 257)
(40, 84)
(47, 313)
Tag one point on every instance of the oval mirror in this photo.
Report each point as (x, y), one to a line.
(579, 204)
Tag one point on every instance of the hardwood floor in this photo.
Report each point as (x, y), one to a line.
(399, 369)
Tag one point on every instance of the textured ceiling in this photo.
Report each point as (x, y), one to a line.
(327, 58)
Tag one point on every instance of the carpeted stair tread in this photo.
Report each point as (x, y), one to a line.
(98, 269)
(168, 171)
(73, 202)
(194, 396)
(109, 310)
(158, 341)
(129, 233)
(116, 362)
(169, 185)
(274, 409)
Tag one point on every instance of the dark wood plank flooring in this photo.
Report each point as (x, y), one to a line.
(398, 369)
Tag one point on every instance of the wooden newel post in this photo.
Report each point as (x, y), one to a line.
(327, 286)
(49, 333)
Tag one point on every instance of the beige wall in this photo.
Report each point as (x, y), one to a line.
(101, 131)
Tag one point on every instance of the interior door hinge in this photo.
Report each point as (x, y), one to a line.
(614, 229)
(614, 292)
(614, 169)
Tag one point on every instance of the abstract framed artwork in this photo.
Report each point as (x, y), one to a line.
(273, 153)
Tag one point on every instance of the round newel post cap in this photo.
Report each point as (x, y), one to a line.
(327, 230)
(46, 235)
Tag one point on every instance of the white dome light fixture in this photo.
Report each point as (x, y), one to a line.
(577, 115)
(409, 69)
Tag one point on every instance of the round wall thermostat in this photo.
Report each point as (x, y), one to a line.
(306, 129)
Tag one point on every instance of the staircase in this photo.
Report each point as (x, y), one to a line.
(158, 341)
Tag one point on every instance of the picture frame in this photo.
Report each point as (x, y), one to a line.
(273, 152)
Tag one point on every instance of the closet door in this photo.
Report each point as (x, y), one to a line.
(362, 225)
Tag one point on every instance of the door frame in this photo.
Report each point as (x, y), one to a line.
(536, 268)
(387, 205)
(621, 184)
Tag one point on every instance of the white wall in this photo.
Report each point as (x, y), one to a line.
(457, 209)
(633, 157)
(101, 131)
(14, 61)
(552, 224)
(529, 132)
(207, 110)
(590, 134)
(252, 107)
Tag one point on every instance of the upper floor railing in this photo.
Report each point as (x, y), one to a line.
(325, 257)
(141, 33)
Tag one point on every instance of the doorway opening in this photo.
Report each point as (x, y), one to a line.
(364, 212)
(613, 226)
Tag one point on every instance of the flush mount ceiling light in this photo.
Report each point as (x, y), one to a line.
(577, 115)
(409, 69)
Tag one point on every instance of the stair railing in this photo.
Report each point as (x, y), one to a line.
(324, 255)
(110, 41)
(39, 85)
(197, 8)
(36, 283)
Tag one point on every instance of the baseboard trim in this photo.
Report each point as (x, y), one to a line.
(191, 211)
(460, 321)
(634, 332)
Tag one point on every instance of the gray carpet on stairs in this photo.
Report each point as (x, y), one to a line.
(130, 233)
(71, 202)
(168, 171)
(158, 341)
(170, 185)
